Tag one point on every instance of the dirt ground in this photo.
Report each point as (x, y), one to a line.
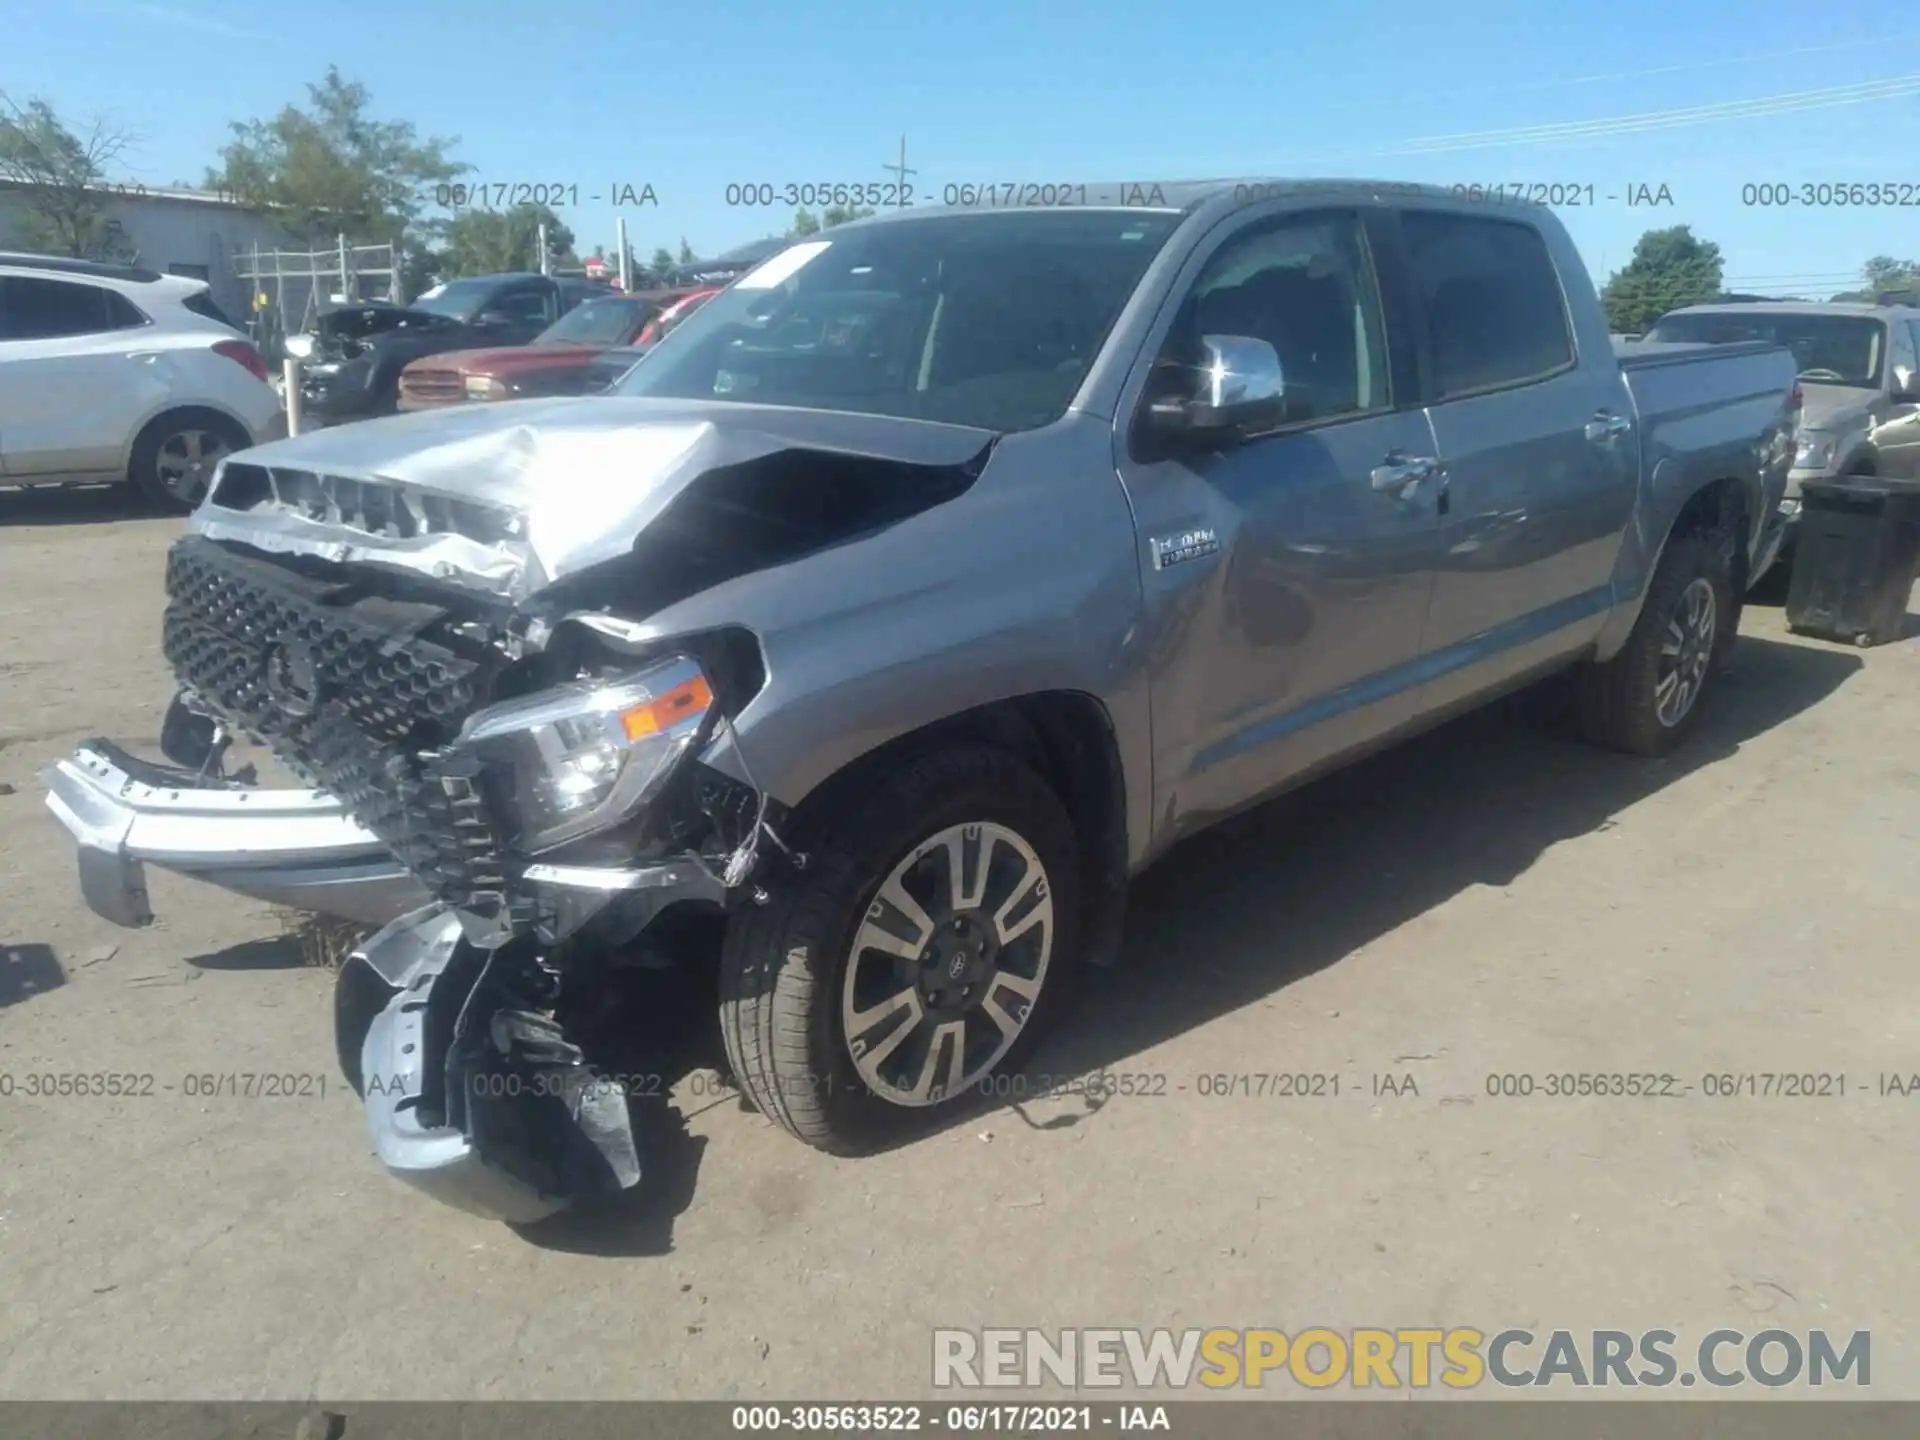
(1492, 899)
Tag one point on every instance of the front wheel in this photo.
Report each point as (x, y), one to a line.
(929, 940)
(1648, 697)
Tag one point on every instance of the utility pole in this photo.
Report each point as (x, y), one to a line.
(900, 172)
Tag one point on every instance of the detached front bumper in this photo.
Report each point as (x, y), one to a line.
(472, 1092)
(290, 847)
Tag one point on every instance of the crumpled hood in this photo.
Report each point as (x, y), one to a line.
(562, 484)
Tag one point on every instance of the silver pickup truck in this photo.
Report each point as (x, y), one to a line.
(1859, 368)
(900, 607)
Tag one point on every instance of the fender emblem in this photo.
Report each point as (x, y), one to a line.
(1171, 550)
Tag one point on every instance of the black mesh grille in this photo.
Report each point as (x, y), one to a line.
(348, 690)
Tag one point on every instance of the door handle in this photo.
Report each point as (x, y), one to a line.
(1605, 426)
(1401, 475)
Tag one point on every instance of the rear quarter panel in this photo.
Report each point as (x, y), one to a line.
(187, 372)
(1705, 415)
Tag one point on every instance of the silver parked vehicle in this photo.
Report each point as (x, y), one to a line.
(1859, 369)
(915, 594)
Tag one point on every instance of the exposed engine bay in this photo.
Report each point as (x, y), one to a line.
(470, 673)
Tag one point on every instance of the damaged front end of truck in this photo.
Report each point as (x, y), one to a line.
(440, 625)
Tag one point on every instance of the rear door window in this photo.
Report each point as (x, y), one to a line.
(33, 308)
(1495, 312)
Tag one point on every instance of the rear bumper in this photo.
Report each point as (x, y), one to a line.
(290, 847)
(274, 428)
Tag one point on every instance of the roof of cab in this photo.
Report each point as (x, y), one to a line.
(1180, 196)
(1861, 308)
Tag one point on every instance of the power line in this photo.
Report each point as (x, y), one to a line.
(1861, 93)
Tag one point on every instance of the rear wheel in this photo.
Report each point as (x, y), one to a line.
(174, 458)
(930, 939)
(1647, 698)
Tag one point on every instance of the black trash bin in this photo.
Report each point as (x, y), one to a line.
(1854, 559)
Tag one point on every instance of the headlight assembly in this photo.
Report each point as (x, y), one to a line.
(579, 757)
(1814, 452)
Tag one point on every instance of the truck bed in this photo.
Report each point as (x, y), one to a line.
(1646, 354)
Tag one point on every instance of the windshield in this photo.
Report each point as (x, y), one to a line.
(989, 320)
(598, 322)
(1829, 349)
(457, 299)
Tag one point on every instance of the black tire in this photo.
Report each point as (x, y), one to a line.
(1619, 704)
(784, 964)
(167, 434)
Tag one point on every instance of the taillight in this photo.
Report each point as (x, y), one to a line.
(1795, 399)
(244, 355)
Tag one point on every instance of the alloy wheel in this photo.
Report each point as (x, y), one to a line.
(948, 963)
(1686, 652)
(186, 460)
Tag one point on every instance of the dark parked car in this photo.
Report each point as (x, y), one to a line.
(564, 359)
(359, 375)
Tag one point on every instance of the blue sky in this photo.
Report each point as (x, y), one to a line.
(1061, 91)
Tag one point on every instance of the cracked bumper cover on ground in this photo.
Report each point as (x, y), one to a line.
(457, 1108)
(471, 1093)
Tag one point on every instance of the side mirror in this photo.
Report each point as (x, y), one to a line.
(1240, 387)
(491, 318)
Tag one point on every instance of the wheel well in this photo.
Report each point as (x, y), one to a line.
(1068, 738)
(1719, 511)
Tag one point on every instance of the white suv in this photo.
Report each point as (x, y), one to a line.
(112, 372)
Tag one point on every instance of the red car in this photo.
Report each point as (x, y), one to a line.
(561, 360)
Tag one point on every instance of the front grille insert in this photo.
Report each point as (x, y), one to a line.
(356, 692)
(434, 385)
(371, 506)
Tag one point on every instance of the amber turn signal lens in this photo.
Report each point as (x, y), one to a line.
(683, 702)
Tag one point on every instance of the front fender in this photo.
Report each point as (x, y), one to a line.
(1028, 582)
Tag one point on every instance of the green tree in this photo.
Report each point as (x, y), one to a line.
(805, 223)
(492, 242)
(841, 214)
(1669, 268)
(686, 252)
(331, 168)
(1884, 275)
(662, 261)
(62, 176)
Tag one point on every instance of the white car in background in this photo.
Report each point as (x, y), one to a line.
(115, 373)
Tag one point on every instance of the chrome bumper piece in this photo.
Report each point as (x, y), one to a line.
(296, 848)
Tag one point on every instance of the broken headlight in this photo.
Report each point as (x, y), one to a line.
(579, 757)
